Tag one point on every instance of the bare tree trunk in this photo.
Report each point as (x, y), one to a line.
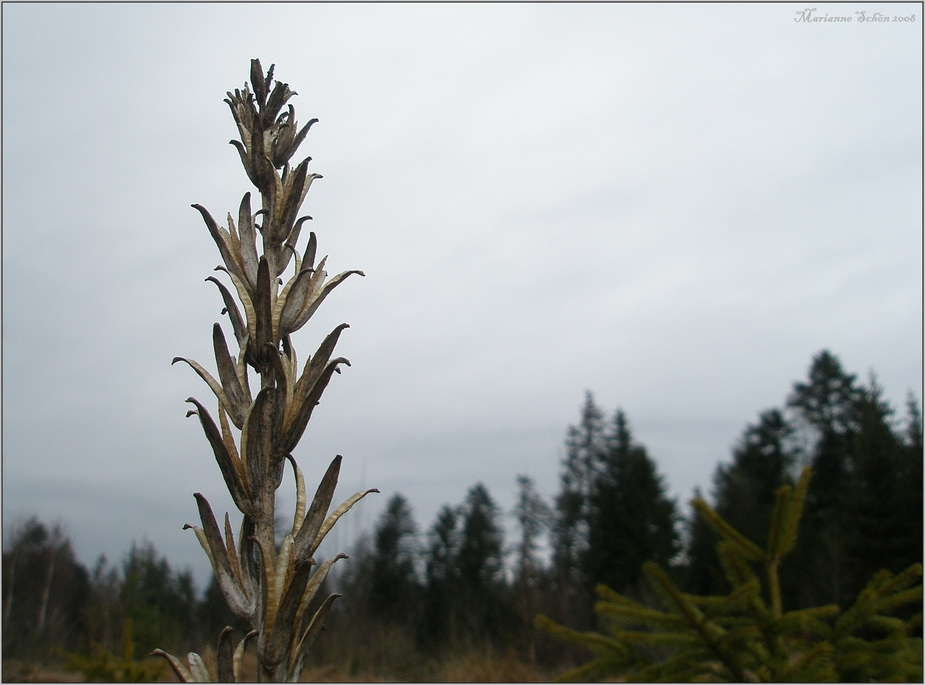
(8, 600)
(46, 591)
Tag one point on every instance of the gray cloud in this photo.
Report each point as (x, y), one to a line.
(673, 206)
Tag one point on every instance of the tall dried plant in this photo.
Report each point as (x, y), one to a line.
(270, 587)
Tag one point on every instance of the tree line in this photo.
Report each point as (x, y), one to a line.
(412, 594)
(459, 586)
(53, 603)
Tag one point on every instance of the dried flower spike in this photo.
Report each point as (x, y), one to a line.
(269, 587)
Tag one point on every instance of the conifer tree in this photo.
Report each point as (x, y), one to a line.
(44, 590)
(393, 585)
(863, 507)
(443, 546)
(442, 603)
(744, 494)
(160, 602)
(533, 517)
(825, 406)
(861, 502)
(827, 403)
(631, 519)
(747, 635)
(911, 506)
(702, 574)
(913, 433)
(584, 445)
(883, 497)
(761, 463)
(481, 544)
(480, 561)
(464, 573)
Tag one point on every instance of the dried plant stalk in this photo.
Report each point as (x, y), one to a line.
(270, 587)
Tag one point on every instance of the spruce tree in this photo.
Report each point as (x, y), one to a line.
(748, 635)
(533, 517)
(701, 570)
(864, 507)
(744, 494)
(480, 562)
(481, 545)
(443, 546)
(883, 502)
(913, 432)
(762, 462)
(911, 506)
(827, 404)
(159, 601)
(466, 602)
(393, 586)
(825, 407)
(584, 445)
(442, 598)
(631, 520)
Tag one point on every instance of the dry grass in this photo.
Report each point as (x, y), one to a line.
(470, 667)
(486, 668)
(21, 672)
(53, 671)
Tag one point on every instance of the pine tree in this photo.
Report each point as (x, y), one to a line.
(393, 584)
(481, 545)
(826, 404)
(864, 508)
(160, 602)
(630, 519)
(533, 516)
(465, 602)
(584, 445)
(480, 561)
(744, 494)
(442, 599)
(883, 503)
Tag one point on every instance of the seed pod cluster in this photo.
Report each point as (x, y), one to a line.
(271, 588)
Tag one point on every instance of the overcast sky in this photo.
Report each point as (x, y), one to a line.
(673, 206)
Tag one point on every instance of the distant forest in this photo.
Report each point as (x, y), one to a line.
(412, 593)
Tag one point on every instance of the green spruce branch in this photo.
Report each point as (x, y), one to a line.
(746, 635)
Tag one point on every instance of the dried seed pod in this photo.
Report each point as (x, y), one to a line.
(271, 589)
